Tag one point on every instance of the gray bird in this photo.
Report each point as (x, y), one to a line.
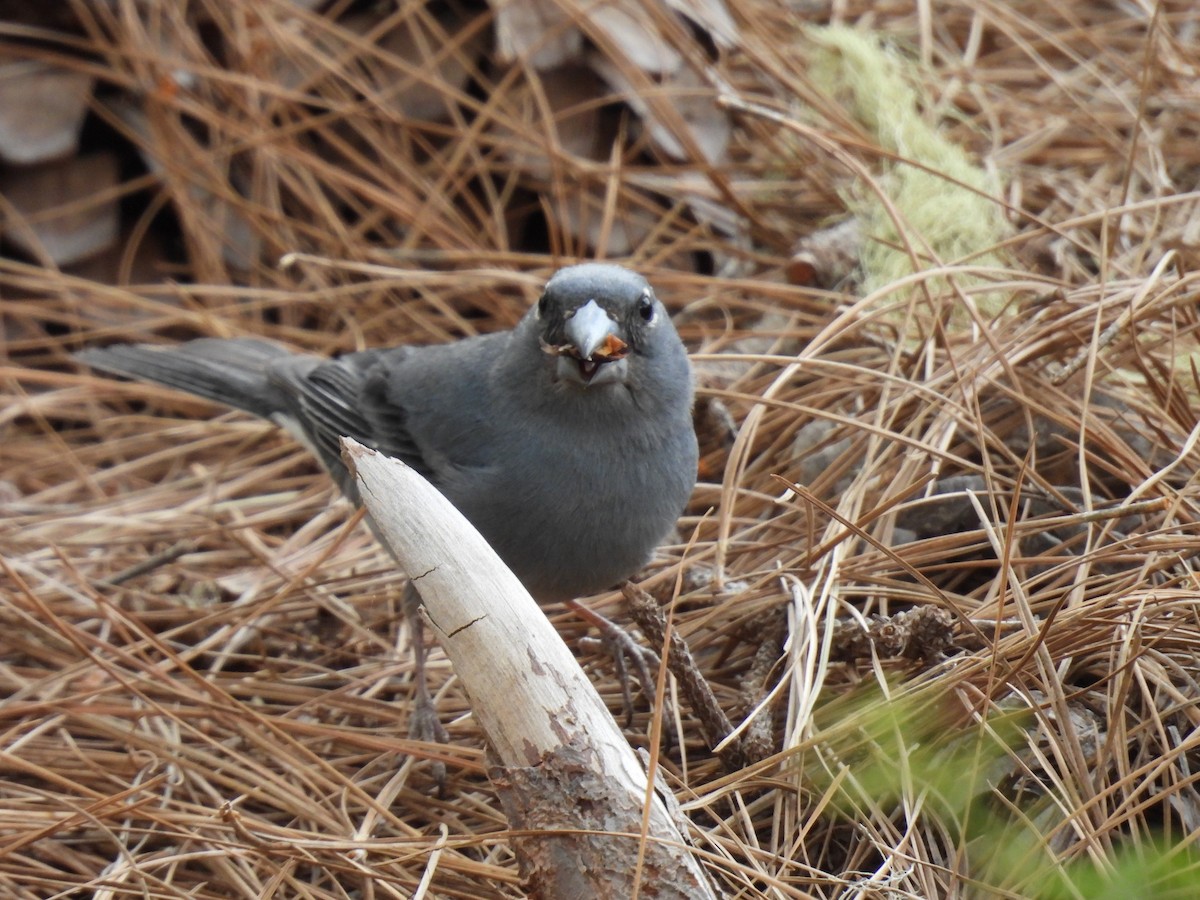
(567, 442)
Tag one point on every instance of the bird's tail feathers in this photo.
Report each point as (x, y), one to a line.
(229, 371)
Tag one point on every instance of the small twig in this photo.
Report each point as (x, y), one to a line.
(1122, 322)
(758, 737)
(151, 563)
(923, 633)
(714, 724)
(1116, 511)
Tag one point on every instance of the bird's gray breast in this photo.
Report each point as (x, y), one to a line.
(575, 509)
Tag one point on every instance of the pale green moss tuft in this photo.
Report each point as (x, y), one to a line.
(941, 196)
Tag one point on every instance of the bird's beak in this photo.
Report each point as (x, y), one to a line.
(594, 354)
(589, 328)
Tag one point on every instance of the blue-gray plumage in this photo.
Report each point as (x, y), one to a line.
(567, 442)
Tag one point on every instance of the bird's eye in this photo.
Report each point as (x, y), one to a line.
(645, 308)
(542, 304)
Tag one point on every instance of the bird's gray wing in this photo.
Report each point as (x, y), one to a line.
(389, 416)
(331, 399)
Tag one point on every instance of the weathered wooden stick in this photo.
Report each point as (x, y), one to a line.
(568, 779)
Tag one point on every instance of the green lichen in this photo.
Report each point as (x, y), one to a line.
(944, 202)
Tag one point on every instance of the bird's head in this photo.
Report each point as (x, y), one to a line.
(600, 324)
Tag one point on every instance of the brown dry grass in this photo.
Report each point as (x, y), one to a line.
(233, 721)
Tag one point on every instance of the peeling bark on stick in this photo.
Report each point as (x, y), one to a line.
(568, 814)
(567, 774)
